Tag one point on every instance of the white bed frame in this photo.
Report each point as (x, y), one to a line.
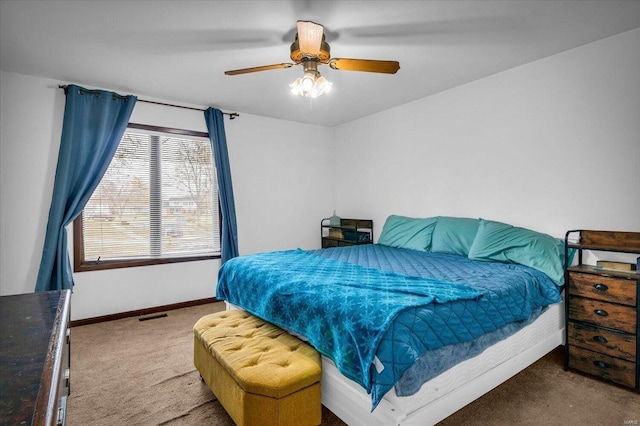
(453, 389)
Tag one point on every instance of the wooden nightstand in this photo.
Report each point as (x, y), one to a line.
(350, 232)
(602, 316)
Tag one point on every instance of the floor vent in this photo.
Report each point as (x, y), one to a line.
(152, 317)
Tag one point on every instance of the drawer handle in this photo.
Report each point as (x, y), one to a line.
(601, 364)
(60, 417)
(601, 287)
(600, 339)
(601, 312)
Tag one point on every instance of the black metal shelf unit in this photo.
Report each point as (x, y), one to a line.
(350, 232)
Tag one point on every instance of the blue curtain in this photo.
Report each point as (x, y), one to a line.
(229, 231)
(94, 122)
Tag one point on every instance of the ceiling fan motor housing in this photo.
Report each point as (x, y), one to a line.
(297, 55)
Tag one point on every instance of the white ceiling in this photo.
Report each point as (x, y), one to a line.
(179, 50)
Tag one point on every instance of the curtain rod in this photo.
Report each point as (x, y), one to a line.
(231, 115)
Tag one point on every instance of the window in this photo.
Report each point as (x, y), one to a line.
(157, 203)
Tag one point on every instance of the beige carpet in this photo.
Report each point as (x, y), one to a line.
(131, 372)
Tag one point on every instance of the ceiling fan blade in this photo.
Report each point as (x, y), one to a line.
(256, 69)
(310, 37)
(367, 65)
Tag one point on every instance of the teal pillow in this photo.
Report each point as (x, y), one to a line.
(407, 232)
(454, 235)
(503, 242)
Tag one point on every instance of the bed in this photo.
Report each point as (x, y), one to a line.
(413, 328)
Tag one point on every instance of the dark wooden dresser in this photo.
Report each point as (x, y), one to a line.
(34, 358)
(602, 311)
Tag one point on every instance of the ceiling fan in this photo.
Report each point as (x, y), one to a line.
(311, 50)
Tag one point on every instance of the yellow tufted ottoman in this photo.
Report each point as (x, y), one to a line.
(260, 374)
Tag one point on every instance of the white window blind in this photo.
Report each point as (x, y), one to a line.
(158, 199)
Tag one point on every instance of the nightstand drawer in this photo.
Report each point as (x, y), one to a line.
(604, 366)
(616, 290)
(603, 341)
(604, 314)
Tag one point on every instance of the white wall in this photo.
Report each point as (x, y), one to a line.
(32, 112)
(552, 145)
(279, 172)
(282, 180)
(1, 179)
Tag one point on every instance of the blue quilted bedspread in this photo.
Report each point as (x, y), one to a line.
(342, 308)
(358, 303)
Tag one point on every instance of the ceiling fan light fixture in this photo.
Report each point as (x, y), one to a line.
(324, 85)
(308, 81)
(311, 85)
(296, 86)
